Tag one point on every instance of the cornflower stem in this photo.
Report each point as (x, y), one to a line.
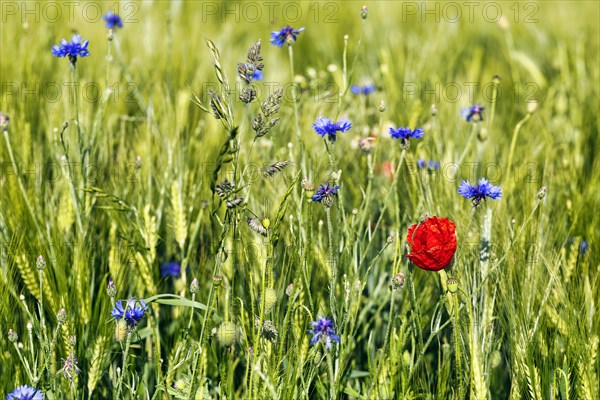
(296, 117)
(79, 138)
(332, 265)
(332, 383)
(513, 144)
(124, 368)
(191, 314)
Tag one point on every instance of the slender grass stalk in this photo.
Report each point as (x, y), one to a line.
(296, 115)
(513, 144)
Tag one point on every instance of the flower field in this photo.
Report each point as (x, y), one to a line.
(299, 200)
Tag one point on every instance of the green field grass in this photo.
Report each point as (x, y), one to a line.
(111, 170)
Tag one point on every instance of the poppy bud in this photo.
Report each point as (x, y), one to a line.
(452, 285)
(226, 334)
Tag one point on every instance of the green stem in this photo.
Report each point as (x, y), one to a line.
(296, 117)
(332, 265)
(416, 308)
(124, 369)
(513, 144)
(457, 351)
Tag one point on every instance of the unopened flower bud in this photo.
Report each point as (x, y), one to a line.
(398, 281)
(381, 106)
(111, 289)
(532, 106)
(226, 334)
(391, 239)
(217, 280)
(482, 135)
(110, 35)
(61, 315)
(452, 284)
(364, 12)
(40, 263)
(424, 217)
(266, 222)
(496, 79)
(4, 121)
(355, 211)
(194, 286)
(289, 290)
(12, 336)
(433, 110)
(542, 193)
(72, 340)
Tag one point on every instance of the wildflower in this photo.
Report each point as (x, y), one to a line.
(132, 313)
(70, 369)
(72, 50)
(421, 164)
(324, 126)
(12, 335)
(112, 20)
(171, 268)
(406, 133)
(473, 113)
(480, 192)
(287, 35)
(4, 121)
(325, 194)
(322, 331)
(257, 75)
(25, 393)
(364, 90)
(432, 243)
(366, 145)
(433, 165)
(583, 247)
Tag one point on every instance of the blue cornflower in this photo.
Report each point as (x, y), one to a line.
(434, 165)
(473, 113)
(257, 75)
(73, 50)
(365, 90)
(480, 192)
(25, 393)
(112, 20)
(324, 126)
(287, 35)
(323, 331)
(583, 247)
(406, 133)
(132, 313)
(171, 268)
(325, 194)
(421, 164)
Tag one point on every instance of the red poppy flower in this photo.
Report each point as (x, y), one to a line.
(432, 243)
